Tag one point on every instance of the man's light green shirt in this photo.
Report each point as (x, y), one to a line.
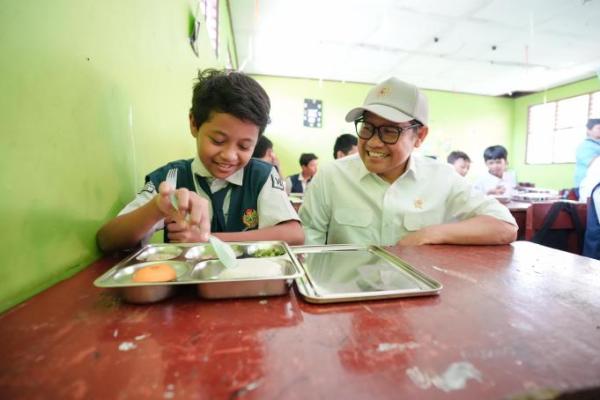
(345, 203)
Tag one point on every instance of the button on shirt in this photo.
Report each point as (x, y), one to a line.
(273, 206)
(345, 203)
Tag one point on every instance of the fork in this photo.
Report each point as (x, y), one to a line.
(172, 181)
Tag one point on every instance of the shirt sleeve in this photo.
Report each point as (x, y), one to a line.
(464, 203)
(315, 211)
(142, 197)
(274, 205)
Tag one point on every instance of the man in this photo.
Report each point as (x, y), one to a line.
(345, 145)
(309, 165)
(387, 195)
(587, 150)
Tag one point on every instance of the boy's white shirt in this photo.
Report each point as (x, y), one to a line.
(591, 179)
(271, 209)
(488, 181)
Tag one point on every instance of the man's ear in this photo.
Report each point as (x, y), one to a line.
(193, 127)
(421, 135)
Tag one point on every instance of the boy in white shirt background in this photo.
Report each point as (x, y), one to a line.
(498, 181)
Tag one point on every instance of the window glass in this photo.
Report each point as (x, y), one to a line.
(555, 129)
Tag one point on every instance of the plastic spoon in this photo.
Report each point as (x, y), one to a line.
(224, 252)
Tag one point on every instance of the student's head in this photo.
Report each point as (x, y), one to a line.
(460, 161)
(229, 113)
(495, 158)
(391, 122)
(593, 128)
(344, 146)
(264, 150)
(309, 164)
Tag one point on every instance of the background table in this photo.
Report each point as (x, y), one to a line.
(511, 319)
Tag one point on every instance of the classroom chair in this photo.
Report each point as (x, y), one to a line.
(560, 225)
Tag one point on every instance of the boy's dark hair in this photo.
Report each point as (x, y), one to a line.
(344, 143)
(457, 155)
(230, 92)
(495, 153)
(305, 158)
(262, 145)
(592, 122)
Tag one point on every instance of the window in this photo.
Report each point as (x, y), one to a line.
(555, 129)
(210, 9)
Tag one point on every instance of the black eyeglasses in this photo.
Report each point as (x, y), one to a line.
(387, 134)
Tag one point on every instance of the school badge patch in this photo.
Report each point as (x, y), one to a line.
(250, 218)
(276, 182)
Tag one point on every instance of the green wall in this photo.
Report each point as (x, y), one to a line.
(557, 176)
(94, 94)
(458, 121)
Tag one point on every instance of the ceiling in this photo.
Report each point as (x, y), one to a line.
(489, 47)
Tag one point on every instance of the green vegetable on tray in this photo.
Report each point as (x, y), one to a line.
(272, 252)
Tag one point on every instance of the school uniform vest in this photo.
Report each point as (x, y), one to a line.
(591, 244)
(296, 184)
(243, 203)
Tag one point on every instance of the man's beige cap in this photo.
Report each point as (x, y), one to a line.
(394, 100)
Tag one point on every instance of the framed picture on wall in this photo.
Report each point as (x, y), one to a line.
(313, 112)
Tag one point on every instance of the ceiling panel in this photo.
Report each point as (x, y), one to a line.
(490, 47)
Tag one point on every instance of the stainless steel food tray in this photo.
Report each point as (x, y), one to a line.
(197, 264)
(343, 273)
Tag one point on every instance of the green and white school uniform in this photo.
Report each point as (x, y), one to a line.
(250, 198)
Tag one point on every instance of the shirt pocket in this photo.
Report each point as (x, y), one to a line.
(415, 221)
(353, 217)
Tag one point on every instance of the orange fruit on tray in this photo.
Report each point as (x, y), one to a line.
(155, 273)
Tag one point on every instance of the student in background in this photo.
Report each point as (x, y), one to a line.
(498, 181)
(389, 195)
(297, 183)
(222, 189)
(591, 242)
(591, 179)
(264, 151)
(460, 161)
(345, 145)
(587, 150)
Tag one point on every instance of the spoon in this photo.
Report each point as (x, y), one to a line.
(224, 252)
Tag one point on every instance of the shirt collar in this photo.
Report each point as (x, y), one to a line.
(411, 169)
(198, 168)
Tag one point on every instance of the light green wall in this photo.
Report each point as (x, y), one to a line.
(93, 95)
(458, 121)
(558, 176)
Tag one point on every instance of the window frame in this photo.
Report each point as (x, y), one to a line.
(590, 107)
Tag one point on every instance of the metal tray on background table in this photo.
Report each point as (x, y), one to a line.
(264, 269)
(342, 273)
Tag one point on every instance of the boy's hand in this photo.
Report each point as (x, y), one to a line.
(191, 223)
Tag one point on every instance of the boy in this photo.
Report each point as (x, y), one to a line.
(498, 181)
(460, 161)
(387, 195)
(297, 183)
(344, 145)
(222, 189)
(264, 151)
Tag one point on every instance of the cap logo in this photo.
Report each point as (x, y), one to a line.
(384, 91)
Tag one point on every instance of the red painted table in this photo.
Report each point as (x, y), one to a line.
(510, 319)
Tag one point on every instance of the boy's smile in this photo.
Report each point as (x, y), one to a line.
(224, 143)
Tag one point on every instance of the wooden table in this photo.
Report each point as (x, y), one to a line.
(518, 209)
(510, 319)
